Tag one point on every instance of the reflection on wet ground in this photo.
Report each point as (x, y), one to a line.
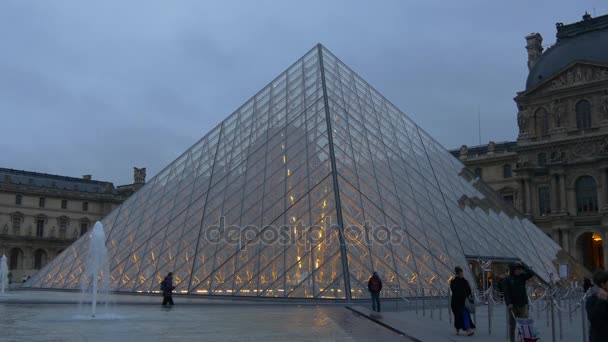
(61, 322)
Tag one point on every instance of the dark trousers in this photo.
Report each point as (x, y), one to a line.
(167, 299)
(375, 301)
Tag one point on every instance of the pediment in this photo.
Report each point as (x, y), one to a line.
(573, 75)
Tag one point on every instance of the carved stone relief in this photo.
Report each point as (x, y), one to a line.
(604, 105)
(558, 111)
(523, 119)
(576, 75)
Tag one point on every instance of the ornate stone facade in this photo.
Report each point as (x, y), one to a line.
(41, 214)
(557, 171)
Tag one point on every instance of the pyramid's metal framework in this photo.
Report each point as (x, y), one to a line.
(327, 166)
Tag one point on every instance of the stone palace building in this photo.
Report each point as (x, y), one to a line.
(42, 214)
(557, 171)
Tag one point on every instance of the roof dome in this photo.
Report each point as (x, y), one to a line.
(585, 41)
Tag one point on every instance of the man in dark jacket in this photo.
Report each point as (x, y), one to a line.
(167, 288)
(374, 285)
(516, 296)
(597, 308)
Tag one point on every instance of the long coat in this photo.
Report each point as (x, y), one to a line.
(461, 290)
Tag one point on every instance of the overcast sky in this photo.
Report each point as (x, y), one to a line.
(99, 87)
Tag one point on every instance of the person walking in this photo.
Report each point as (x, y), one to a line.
(167, 287)
(516, 296)
(374, 285)
(461, 291)
(597, 307)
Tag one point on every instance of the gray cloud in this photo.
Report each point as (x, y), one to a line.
(99, 87)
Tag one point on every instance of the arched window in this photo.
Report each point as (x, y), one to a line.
(39, 259)
(583, 114)
(541, 122)
(506, 171)
(40, 226)
(586, 194)
(16, 258)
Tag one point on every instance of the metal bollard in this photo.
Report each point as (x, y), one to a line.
(431, 303)
(570, 311)
(559, 321)
(584, 322)
(489, 314)
(547, 308)
(553, 337)
(449, 306)
(507, 323)
(417, 299)
(423, 304)
(440, 310)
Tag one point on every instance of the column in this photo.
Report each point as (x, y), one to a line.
(605, 248)
(604, 195)
(553, 194)
(529, 203)
(521, 193)
(562, 193)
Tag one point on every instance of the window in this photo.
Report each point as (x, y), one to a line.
(18, 199)
(542, 159)
(85, 206)
(39, 259)
(583, 114)
(83, 228)
(544, 201)
(16, 258)
(508, 198)
(63, 226)
(64, 204)
(478, 172)
(40, 227)
(506, 171)
(17, 218)
(586, 194)
(41, 202)
(541, 122)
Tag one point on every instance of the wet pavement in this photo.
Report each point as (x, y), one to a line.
(427, 328)
(205, 322)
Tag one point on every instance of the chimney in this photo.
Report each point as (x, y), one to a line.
(139, 175)
(534, 47)
(87, 177)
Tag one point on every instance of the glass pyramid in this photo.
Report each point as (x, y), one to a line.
(304, 191)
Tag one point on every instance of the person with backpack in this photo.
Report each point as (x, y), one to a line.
(461, 293)
(597, 307)
(167, 287)
(374, 285)
(516, 295)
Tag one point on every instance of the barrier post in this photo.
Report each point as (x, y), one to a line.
(584, 321)
(423, 303)
(553, 337)
(559, 320)
(489, 315)
(449, 306)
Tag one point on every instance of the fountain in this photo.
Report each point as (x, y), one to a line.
(97, 268)
(3, 275)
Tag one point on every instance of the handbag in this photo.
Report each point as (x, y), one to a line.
(469, 304)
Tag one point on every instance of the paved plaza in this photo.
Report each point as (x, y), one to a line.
(57, 316)
(206, 321)
(438, 328)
